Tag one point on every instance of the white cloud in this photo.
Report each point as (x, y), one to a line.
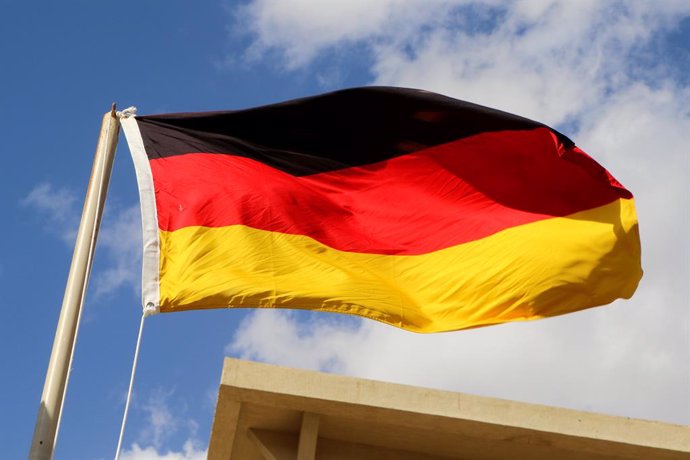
(548, 63)
(314, 345)
(545, 59)
(300, 29)
(59, 208)
(120, 237)
(119, 240)
(161, 425)
(189, 452)
(589, 66)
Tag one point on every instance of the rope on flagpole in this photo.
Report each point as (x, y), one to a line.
(131, 385)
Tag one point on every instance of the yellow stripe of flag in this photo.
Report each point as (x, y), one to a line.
(545, 268)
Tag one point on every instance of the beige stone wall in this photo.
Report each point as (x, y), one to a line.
(271, 412)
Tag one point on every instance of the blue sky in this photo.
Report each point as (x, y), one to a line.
(611, 75)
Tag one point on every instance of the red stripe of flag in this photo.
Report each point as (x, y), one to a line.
(411, 204)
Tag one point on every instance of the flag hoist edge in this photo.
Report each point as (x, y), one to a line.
(404, 206)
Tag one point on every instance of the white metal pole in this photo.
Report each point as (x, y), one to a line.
(55, 386)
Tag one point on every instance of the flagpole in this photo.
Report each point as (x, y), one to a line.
(55, 386)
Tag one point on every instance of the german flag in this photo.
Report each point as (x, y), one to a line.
(399, 205)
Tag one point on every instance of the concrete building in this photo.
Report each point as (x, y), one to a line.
(269, 412)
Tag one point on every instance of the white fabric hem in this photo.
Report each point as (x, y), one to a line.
(150, 287)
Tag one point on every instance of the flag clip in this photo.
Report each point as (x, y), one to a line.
(150, 309)
(128, 112)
